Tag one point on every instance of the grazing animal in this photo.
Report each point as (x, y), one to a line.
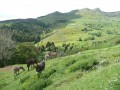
(50, 55)
(47, 57)
(40, 66)
(16, 69)
(31, 62)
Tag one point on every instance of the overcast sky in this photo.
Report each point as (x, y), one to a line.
(14, 9)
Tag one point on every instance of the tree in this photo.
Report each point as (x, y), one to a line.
(6, 46)
(23, 52)
(50, 46)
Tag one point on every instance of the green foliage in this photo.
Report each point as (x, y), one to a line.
(80, 39)
(49, 72)
(23, 52)
(36, 84)
(118, 42)
(70, 62)
(66, 47)
(98, 34)
(23, 79)
(89, 38)
(50, 46)
(83, 65)
(26, 30)
(114, 84)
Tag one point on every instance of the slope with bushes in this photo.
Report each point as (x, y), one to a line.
(92, 69)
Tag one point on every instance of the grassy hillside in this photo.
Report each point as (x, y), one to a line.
(87, 33)
(92, 64)
(93, 69)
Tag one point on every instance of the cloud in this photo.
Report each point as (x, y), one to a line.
(35, 8)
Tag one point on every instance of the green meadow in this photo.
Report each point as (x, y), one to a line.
(92, 69)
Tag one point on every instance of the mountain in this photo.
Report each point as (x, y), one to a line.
(27, 29)
(112, 14)
(30, 30)
(57, 17)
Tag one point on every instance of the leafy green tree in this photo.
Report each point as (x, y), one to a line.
(50, 46)
(25, 51)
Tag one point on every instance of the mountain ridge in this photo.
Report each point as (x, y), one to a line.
(115, 13)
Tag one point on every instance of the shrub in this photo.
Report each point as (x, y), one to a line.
(48, 73)
(70, 62)
(80, 39)
(83, 65)
(117, 42)
(98, 34)
(35, 83)
(22, 80)
(23, 52)
(86, 66)
(89, 38)
(95, 62)
(40, 84)
(114, 84)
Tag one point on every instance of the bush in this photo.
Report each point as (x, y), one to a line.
(23, 52)
(117, 42)
(83, 65)
(48, 73)
(35, 83)
(98, 34)
(80, 39)
(86, 66)
(89, 38)
(114, 84)
(40, 84)
(70, 62)
(23, 79)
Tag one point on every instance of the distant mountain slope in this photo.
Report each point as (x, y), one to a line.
(89, 13)
(92, 30)
(112, 14)
(28, 29)
(97, 13)
(57, 17)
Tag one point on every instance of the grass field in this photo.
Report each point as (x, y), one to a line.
(92, 69)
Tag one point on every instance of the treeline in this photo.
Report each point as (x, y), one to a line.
(20, 54)
(30, 30)
(26, 30)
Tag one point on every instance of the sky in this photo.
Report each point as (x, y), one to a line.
(21, 9)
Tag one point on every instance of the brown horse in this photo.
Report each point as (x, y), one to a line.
(16, 69)
(31, 62)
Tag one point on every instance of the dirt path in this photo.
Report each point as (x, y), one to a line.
(7, 68)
